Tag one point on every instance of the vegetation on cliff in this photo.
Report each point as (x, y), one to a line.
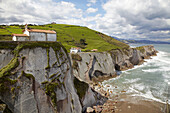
(81, 87)
(8, 79)
(70, 36)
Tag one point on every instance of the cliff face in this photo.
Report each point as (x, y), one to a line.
(88, 66)
(37, 78)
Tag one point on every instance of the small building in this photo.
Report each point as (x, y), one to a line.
(94, 50)
(41, 35)
(20, 37)
(75, 50)
(35, 35)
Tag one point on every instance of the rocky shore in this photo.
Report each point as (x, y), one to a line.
(94, 68)
(41, 77)
(122, 103)
(97, 66)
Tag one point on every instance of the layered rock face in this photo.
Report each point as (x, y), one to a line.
(93, 65)
(88, 65)
(37, 78)
(87, 95)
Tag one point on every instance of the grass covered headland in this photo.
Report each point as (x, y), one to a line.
(70, 36)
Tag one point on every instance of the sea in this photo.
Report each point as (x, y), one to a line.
(151, 80)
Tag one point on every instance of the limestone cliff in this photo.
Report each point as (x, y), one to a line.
(36, 77)
(94, 65)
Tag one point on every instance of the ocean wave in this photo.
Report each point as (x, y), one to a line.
(139, 87)
(160, 69)
(158, 66)
(162, 57)
(148, 95)
(132, 80)
(111, 80)
(135, 67)
(150, 70)
(167, 76)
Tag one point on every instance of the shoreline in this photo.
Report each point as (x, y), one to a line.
(136, 104)
(124, 103)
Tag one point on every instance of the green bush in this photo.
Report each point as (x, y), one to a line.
(76, 57)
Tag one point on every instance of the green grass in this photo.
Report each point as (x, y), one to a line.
(15, 30)
(4, 32)
(70, 35)
(5, 37)
(5, 70)
(141, 49)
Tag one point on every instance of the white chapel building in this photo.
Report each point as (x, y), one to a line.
(75, 50)
(35, 35)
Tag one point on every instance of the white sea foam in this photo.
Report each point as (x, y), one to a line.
(158, 66)
(150, 70)
(126, 72)
(135, 67)
(147, 62)
(138, 90)
(162, 57)
(148, 95)
(132, 90)
(110, 80)
(131, 80)
(139, 87)
(167, 76)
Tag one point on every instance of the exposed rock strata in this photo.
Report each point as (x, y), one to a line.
(35, 79)
(106, 64)
(38, 77)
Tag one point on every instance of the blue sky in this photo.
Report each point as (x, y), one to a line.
(135, 19)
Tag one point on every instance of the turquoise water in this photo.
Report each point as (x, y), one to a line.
(150, 80)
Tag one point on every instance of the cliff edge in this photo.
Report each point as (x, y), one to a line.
(37, 77)
(98, 66)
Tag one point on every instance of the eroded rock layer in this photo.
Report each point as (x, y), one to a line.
(36, 77)
(100, 65)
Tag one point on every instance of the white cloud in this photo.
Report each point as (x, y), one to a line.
(91, 10)
(88, 5)
(39, 11)
(92, 1)
(122, 18)
(135, 18)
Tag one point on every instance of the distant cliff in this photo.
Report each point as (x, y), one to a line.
(37, 77)
(96, 66)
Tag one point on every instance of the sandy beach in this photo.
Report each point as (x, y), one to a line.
(129, 104)
(123, 103)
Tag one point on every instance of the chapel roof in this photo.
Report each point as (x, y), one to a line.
(20, 35)
(41, 31)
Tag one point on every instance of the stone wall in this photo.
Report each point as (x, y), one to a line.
(51, 37)
(35, 36)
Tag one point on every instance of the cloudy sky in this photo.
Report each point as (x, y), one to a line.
(137, 19)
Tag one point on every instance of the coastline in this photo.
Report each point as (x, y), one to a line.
(124, 103)
(135, 104)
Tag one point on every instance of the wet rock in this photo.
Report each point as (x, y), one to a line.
(97, 109)
(89, 110)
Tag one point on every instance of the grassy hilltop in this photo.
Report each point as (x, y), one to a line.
(70, 36)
